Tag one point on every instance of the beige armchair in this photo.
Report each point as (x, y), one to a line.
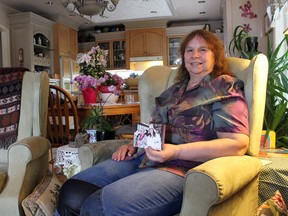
(25, 162)
(226, 186)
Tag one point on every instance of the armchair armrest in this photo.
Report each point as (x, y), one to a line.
(93, 153)
(216, 180)
(27, 164)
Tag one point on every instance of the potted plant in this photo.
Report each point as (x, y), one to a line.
(243, 43)
(99, 122)
(276, 111)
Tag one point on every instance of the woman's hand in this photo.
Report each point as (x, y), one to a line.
(169, 152)
(123, 151)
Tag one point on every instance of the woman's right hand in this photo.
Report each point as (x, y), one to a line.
(123, 151)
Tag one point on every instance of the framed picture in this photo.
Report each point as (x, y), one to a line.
(266, 24)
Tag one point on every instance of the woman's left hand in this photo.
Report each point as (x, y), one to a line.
(168, 153)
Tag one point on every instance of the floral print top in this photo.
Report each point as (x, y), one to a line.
(216, 105)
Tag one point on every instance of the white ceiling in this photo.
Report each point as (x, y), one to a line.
(127, 10)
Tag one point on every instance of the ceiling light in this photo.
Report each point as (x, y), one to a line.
(90, 7)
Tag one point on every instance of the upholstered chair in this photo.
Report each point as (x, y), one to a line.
(24, 149)
(225, 186)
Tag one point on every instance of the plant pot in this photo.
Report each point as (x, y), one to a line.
(105, 135)
(252, 44)
(89, 95)
(109, 98)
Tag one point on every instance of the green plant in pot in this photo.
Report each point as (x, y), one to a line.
(243, 44)
(99, 122)
(276, 111)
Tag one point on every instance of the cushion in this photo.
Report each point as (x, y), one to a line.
(275, 206)
(10, 101)
(42, 201)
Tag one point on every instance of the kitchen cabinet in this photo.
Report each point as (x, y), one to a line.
(65, 44)
(31, 42)
(173, 50)
(147, 42)
(117, 56)
(115, 43)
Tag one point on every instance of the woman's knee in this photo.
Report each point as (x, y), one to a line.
(72, 195)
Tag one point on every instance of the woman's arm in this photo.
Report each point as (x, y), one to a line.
(227, 144)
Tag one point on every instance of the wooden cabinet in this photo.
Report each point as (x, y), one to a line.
(117, 55)
(173, 50)
(31, 42)
(146, 42)
(115, 43)
(65, 44)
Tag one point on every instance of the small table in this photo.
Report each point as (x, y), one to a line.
(274, 176)
(122, 109)
(67, 160)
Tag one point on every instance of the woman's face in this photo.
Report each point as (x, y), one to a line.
(198, 58)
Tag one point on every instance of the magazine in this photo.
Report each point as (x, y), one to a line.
(150, 135)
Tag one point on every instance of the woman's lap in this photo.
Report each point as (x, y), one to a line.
(127, 190)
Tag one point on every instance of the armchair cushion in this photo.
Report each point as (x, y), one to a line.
(10, 103)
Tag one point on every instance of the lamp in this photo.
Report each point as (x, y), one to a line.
(90, 7)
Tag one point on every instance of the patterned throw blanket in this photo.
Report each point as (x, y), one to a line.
(10, 101)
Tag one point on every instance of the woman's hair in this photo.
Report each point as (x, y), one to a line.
(215, 45)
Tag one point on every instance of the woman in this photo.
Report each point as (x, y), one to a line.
(206, 117)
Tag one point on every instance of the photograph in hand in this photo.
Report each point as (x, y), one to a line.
(152, 135)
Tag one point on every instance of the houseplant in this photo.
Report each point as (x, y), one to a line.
(276, 111)
(243, 43)
(99, 122)
(93, 77)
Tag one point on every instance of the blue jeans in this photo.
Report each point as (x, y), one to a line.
(127, 190)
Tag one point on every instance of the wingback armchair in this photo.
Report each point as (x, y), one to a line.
(24, 151)
(225, 186)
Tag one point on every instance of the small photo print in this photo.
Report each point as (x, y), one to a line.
(150, 135)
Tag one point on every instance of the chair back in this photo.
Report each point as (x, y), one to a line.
(24, 99)
(253, 72)
(62, 124)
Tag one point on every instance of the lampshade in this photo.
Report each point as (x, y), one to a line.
(90, 7)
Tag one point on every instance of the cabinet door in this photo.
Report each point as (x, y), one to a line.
(137, 43)
(63, 38)
(73, 43)
(173, 50)
(146, 42)
(154, 42)
(118, 53)
(106, 46)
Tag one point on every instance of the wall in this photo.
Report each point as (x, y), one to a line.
(5, 37)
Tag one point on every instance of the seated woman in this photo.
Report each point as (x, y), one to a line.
(206, 117)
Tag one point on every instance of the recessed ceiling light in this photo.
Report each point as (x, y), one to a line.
(49, 2)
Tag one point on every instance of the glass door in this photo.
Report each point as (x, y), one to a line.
(173, 50)
(106, 46)
(119, 58)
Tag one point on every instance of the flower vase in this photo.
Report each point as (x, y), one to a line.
(108, 96)
(90, 95)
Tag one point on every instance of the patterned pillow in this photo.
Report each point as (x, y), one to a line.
(10, 101)
(275, 206)
(42, 201)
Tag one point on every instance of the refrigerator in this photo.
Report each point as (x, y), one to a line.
(68, 70)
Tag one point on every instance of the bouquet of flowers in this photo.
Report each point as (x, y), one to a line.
(93, 63)
(92, 71)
